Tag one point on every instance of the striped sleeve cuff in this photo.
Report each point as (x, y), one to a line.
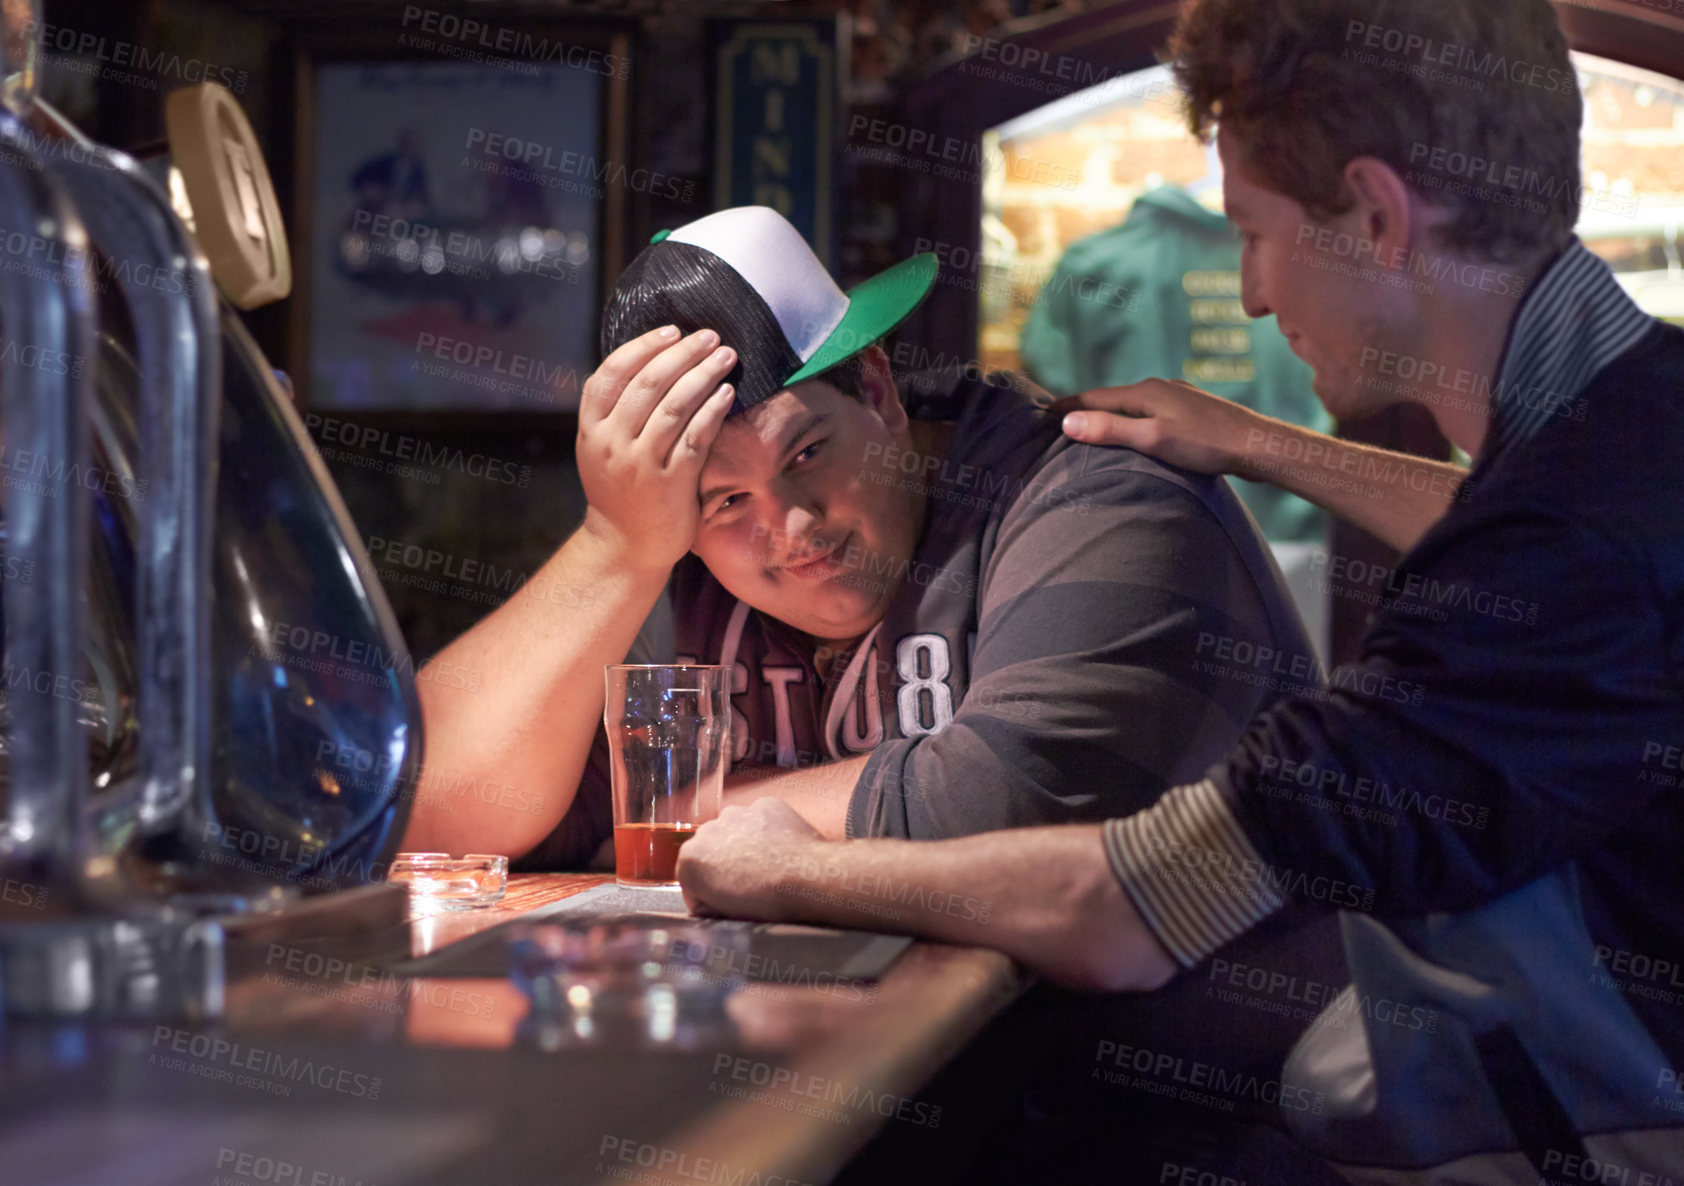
(1188, 868)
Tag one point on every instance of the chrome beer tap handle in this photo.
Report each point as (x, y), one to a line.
(171, 297)
(46, 312)
(75, 943)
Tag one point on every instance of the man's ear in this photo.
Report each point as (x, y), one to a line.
(1384, 207)
(877, 386)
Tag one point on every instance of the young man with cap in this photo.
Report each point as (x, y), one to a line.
(1521, 824)
(944, 616)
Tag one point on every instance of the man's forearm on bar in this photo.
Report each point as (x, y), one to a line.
(1393, 496)
(821, 792)
(1045, 896)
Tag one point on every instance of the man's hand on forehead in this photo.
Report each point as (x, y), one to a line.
(647, 418)
(641, 375)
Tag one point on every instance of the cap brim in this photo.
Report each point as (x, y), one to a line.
(875, 308)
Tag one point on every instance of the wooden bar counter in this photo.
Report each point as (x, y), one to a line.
(328, 1071)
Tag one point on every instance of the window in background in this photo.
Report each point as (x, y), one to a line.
(1633, 168)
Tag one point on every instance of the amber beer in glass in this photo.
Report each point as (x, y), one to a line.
(669, 735)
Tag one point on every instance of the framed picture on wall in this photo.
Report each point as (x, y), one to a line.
(456, 220)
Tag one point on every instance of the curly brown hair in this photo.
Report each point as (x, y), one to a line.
(1473, 102)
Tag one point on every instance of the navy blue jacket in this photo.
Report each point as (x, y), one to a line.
(1492, 793)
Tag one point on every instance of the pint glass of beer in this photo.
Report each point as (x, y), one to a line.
(669, 736)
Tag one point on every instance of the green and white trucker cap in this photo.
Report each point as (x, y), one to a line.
(747, 274)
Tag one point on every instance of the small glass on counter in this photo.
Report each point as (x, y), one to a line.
(439, 881)
(635, 982)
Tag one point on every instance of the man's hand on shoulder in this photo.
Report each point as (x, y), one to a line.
(1171, 420)
(647, 418)
(735, 865)
(1394, 496)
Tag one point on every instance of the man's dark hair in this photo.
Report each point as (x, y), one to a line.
(1473, 102)
(847, 376)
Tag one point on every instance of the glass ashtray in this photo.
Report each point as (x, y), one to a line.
(643, 983)
(439, 881)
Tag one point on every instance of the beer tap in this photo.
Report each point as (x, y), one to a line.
(76, 938)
